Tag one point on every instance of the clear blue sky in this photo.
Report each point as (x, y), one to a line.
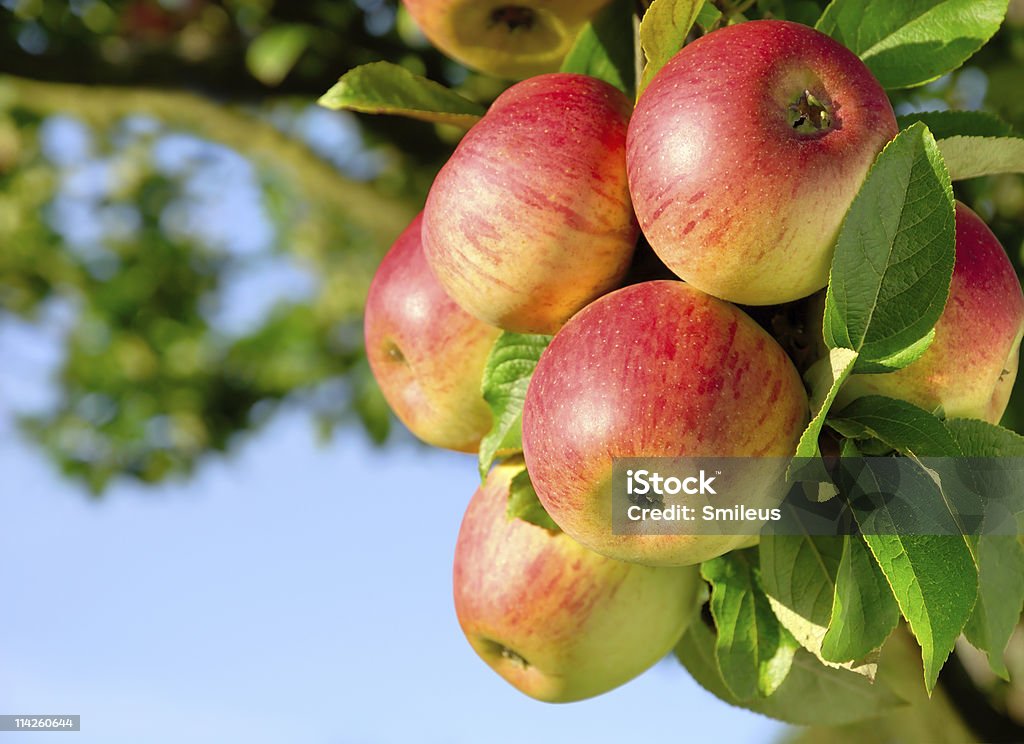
(291, 593)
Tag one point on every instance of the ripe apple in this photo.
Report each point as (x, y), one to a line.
(426, 352)
(508, 39)
(658, 369)
(745, 153)
(970, 368)
(530, 219)
(556, 620)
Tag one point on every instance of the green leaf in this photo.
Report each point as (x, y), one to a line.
(524, 504)
(272, 54)
(663, 31)
(912, 42)
(507, 374)
(982, 439)
(826, 377)
(1000, 557)
(914, 432)
(811, 695)
(973, 143)
(864, 611)
(1000, 598)
(907, 355)
(902, 426)
(708, 16)
(798, 573)
(385, 88)
(604, 48)
(971, 157)
(894, 259)
(945, 124)
(934, 580)
(932, 576)
(753, 649)
(997, 468)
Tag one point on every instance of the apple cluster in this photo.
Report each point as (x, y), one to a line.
(736, 167)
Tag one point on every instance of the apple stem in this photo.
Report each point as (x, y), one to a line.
(808, 115)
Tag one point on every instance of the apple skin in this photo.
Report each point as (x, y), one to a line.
(508, 39)
(560, 622)
(658, 369)
(732, 198)
(426, 353)
(970, 368)
(530, 219)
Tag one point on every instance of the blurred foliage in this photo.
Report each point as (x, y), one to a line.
(199, 42)
(130, 236)
(200, 238)
(231, 50)
(138, 225)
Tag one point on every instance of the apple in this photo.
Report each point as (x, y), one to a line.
(426, 353)
(658, 369)
(970, 368)
(530, 219)
(745, 153)
(558, 621)
(508, 39)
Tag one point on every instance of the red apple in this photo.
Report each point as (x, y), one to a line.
(658, 369)
(970, 368)
(426, 353)
(530, 219)
(556, 620)
(507, 39)
(746, 151)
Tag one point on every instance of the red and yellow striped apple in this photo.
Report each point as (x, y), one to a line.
(745, 153)
(970, 368)
(426, 353)
(558, 621)
(658, 369)
(530, 219)
(507, 39)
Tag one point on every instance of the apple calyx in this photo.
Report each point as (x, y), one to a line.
(513, 17)
(500, 649)
(808, 115)
(510, 655)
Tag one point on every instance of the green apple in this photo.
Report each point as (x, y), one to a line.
(558, 621)
(426, 353)
(970, 368)
(508, 39)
